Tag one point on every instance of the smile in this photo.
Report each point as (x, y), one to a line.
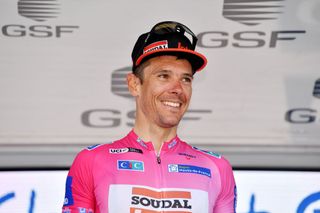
(171, 104)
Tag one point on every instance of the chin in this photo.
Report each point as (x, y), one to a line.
(170, 123)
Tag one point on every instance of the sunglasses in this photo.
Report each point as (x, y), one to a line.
(168, 27)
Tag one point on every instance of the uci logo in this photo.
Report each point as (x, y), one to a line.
(118, 151)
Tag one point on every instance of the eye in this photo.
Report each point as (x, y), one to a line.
(187, 79)
(163, 76)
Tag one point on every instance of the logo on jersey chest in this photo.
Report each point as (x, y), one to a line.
(130, 165)
(145, 199)
(125, 150)
(180, 168)
(188, 156)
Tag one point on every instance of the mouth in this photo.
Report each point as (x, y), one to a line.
(172, 104)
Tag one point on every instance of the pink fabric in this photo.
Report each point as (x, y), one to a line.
(129, 176)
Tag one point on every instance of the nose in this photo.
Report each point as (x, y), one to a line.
(176, 87)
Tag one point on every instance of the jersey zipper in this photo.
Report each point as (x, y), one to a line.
(158, 159)
(158, 155)
(159, 166)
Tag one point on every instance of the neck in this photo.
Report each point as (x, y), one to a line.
(157, 135)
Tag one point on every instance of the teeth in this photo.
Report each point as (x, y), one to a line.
(172, 104)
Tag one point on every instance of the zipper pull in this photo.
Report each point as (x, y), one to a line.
(158, 159)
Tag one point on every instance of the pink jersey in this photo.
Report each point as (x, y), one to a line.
(128, 176)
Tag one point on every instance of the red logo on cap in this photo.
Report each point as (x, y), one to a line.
(181, 47)
(156, 46)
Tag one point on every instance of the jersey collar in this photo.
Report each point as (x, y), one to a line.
(167, 145)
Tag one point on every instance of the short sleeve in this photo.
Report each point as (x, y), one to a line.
(227, 199)
(79, 193)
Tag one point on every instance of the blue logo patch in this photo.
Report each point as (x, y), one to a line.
(82, 210)
(66, 211)
(131, 165)
(68, 199)
(93, 147)
(217, 155)
(189, 169)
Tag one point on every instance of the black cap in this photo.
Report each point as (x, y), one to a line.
(168, 38)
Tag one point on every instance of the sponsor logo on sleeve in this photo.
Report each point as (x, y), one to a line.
(189, 169)
(68, 199)
(214, 154)
(66, 210)
(93, 147)
(130, 165)
(125, 150)
(82, 210)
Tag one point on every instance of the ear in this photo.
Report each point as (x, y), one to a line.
(133, 84)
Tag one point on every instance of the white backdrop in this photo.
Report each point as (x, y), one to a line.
(62, 66)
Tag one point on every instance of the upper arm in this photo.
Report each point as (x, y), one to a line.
(79, 184)
(226, 202)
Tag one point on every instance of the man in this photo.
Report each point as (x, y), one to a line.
(151, 170)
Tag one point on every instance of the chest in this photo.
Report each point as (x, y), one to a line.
(135, 181)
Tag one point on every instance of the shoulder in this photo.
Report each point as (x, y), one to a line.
(90, 157)
(89, 153)
(210, 154)
(214, 157)
(220, 164)
(94, 149)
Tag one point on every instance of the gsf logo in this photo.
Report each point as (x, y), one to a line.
(305, 115)
(249, 14)
(245, 39)
(39, 11)
(37, 31)
(301, 115)
(111, 118)
(106, 118)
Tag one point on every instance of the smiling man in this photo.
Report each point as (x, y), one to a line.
(151, 170)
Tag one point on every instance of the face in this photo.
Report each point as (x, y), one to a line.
(164, 95)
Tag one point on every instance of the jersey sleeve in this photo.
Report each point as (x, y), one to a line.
(79, 194)
(227, 199)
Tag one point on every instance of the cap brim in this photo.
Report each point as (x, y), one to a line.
(197, 60)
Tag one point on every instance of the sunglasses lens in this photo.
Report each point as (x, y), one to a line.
(173, 27)
(163, 28)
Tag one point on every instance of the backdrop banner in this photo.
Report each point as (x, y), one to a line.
(63, 66)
